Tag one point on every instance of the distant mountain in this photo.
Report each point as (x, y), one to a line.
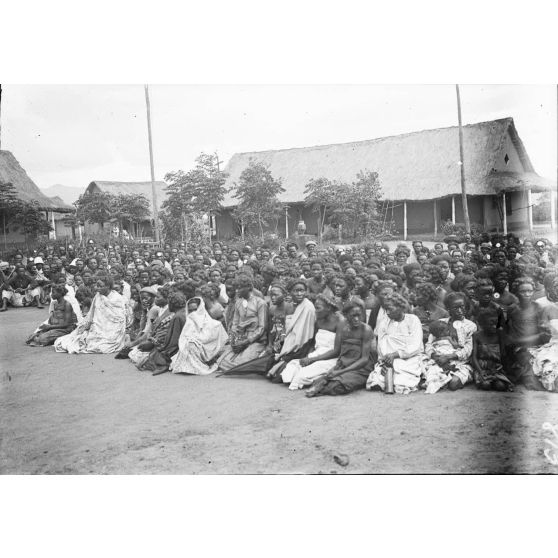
(69, 194)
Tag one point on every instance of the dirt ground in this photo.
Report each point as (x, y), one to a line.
(81, 414)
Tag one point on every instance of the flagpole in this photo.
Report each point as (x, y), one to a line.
(154, 193)
(462, 165)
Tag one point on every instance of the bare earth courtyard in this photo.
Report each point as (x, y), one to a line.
(83, 414)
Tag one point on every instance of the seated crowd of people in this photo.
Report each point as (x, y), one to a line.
(329, 320)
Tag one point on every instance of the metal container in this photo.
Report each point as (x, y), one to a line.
(389, 381)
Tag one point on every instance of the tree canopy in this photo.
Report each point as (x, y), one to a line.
(192, 194)
(257, 193)
(351, 205)
(102, 207)
(27, 215)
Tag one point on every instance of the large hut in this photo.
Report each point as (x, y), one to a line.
(420, 177)
(26, 190)
(143, 229)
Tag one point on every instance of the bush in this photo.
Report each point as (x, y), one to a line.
(458, 229)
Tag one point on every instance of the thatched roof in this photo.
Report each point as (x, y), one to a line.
(11, 171)
(513, 181)
(416, 166)
(131, 188)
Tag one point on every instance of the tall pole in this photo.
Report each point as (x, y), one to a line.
(0, 116)
(462, 165)
(154, 193)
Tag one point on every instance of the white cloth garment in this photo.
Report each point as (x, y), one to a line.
(301, 376)
(201, 341)
(103, 330)
(405, 339)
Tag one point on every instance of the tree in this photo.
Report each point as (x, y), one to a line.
(27, 215)
(191, 195)
(131, 208)
(355, 204)
(31, 218)
(8, 204)
(320, 195)
(257, 193)
(95, 207)
(367, 190)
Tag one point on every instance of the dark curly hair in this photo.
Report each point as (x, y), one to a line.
(176, 301)
(398, 300)
(428, 291)
(293, 282)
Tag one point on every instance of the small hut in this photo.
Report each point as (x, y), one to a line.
(420, 177)
(142, 229)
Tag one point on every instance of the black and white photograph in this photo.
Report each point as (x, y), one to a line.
(383, 257)
(278, 279)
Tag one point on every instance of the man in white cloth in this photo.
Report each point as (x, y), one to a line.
(400, 347)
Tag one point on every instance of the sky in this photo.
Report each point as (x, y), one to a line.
(74, 134)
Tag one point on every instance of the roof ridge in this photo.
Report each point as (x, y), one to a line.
(361, 142)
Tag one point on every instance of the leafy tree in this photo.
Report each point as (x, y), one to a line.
(257, 193)
(95, 207)
(356, 204)
(320, 194)
(191, 195)
(32, 219)
(27, 215)
(131, 208)
(9, 202)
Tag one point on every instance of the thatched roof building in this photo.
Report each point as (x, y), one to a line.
(419, 174)
(27, 191)
(131, 188)
(416, 166)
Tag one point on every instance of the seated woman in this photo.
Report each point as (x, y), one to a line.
(356, 357)
(61, 320)
(160, 357)
(400, 348)
(144, 315)
(247, 333)
(103, 330)
(157, 333)
(298, 330)
(437, 373)
(202, 340)
(300, 373)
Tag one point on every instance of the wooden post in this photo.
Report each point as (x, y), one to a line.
(154, 193)
(530, 210)
(462, 166)
(404, 220)
(286, 222)
(53, 225)
(435, 218)
(504, 213)
(453, 209)
(553, 209)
